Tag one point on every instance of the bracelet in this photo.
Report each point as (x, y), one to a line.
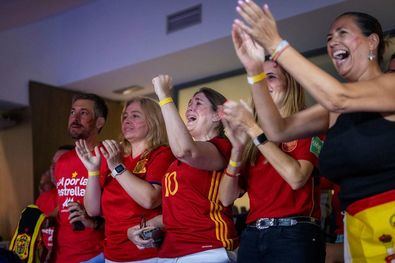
(231, 175)
(93, 173)
(279, 53)
(234, 164)
(165, 101)
(260, 139)
(279, 49)
(256, 78)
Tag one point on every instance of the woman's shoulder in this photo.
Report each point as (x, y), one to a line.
(223, 145)
(384, 80)
(388, 75)
(220, 142)
(320, 137)
(162, 149)
(309, 144)
(219, 139)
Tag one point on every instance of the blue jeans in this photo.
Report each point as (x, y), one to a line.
(302, 242)
(98, 259)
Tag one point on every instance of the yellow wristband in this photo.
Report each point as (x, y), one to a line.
(165, 101)
(93, 173)
(234, 164)
(257, 78)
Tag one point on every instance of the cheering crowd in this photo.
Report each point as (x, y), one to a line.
(164, 192)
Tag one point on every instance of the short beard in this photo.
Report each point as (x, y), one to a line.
(79, 136)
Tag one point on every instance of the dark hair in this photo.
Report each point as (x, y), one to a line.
(216, 99)
(392, 57)
(369, 25)
(101, 109)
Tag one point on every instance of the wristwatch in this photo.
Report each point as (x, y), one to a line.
(260, 139)
(119, 169)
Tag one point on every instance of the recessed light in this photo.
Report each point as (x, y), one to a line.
(128, 90)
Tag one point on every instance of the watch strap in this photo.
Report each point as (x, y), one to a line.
(119, 169)
(260, 139)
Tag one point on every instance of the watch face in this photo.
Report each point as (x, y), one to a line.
(119, 168)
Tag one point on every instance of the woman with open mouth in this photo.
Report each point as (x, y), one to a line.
(358, 117)
(198, 228)
(281, 179)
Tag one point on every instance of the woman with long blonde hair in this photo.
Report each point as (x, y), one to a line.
(283, 221)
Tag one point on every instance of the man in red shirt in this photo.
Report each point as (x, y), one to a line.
(47, 200)
(78, 237)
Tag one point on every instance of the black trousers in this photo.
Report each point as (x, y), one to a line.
(302, 243)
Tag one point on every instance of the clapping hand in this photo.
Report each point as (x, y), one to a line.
(112, 151)
(239, 114)
(250, 53)
(235, 133)
(91, 162)
(260, 24)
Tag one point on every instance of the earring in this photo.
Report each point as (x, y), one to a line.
(371, 56)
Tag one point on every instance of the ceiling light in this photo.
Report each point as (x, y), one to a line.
(128, 90)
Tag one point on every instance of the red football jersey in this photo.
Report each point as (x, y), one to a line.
(71, 180)
(47, 203)
(193, 217)
(122, 212)
(271, 196)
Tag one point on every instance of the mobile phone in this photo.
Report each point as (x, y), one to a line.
(153, 233)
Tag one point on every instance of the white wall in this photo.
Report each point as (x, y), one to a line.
(16, 176)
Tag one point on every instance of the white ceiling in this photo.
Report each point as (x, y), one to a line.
(306, 32)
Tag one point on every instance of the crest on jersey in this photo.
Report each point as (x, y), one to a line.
(289, 146)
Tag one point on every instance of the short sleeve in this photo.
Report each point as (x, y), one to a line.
(158, 164)
(307, 149)
(223, 145)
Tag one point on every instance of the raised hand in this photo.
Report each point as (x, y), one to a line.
(162, 85)
(112, 151)
(236, 134)
(261, 24)
(250, 53)
(90, 161)
(239, 114)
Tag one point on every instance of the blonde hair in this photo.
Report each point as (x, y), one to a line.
(294, 97)
(156, 135)
(293, 102)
